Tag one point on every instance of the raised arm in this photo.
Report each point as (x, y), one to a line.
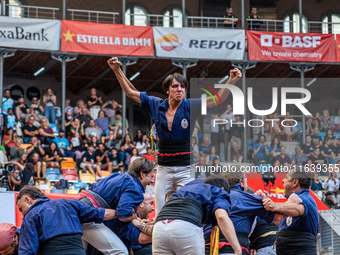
(235, 75)
(124, 82)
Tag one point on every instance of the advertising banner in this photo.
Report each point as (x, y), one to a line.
(24, 33)
(338, 48)
(199, 43)
(110, 39)
(301, 47)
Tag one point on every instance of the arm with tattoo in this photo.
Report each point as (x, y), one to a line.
(145, 228)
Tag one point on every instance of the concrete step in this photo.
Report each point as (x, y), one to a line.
(290, 146)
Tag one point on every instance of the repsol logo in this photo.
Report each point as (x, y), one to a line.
(212, 44)
(20, 34)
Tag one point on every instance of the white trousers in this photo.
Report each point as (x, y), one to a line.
(177, 237)
(169, 177)
(103, 239)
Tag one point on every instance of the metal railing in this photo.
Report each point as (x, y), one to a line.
(211, 22)
(93, 16)
(29, 11)
(323, 27)
(151, 20)
(270, 25)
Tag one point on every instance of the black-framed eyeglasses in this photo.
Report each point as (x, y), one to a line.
(175, 86)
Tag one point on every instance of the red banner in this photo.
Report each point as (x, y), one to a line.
(107, 39)
(338, 48)
(299, 47)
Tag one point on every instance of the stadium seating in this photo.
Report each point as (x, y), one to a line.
(68, 164)
(105, 173)
(86, 177)
(322, 135)
(57, 191)
(52, 174)
(70, 175)
(54, 128)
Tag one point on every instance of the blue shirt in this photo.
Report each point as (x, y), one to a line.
(89, 157)
(211, 198)
(272, 148)
(262, 151)
(181, 128)
(122, 192)
(62, 143)
(102, 123)
(244, 209)
(7, 103)
(11, 121)
(50, 218)
(309, 221)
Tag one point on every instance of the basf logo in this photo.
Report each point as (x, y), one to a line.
(291, 41)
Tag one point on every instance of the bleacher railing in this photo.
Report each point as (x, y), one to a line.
(29, 11)
(270, 25)
(93, 16)
(323, 27)
(211, 22)
(137, 19)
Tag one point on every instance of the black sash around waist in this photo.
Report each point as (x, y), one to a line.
(174, 153)
(182, 208)
(64, 244)
(295, 242)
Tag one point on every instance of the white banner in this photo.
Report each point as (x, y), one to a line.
(38, 34)
(7, 207)
(199, 43)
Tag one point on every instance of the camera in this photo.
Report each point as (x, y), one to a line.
(4, 175)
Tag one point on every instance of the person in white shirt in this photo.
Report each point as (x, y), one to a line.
(332, 192)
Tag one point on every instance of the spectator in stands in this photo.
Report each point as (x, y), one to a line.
(228, 116)
(36, 147)
(88, 161)
(261, 151)
(11, 120)
(111, 142)
(332, 192)
(276, 129)
(214, 135)
(63, 145)
(29, 130)
(36, 116)
(275, 146)
(94, 142)
(329, 134)
(134, 155)
(68, 122)
(317, 158)
(236, 140)
(76, 127)
(68, 106)
(3, 155)
(84, 118)
(14, 180)
(16, 151)
(78, 146)
(149, 155)
(78, 110)
(337, 149)
(35, 105)
(7, 102)
(94, 100)
(337, 121)
(102, 124)
(92, 131)
(116, 125)
(288, 131)
(9, 139)
(115, 159)
(142, 146)
(23, 160)
(254, 23)
(212, 155)
(52, 156)
(25, 179)
(316, 186)
(110, 111)
(309, 126)
(195, 149)
(21, 109)
(308, 147)
(46, 133)
(283, 158)
(205, 147)
(228, 23)
(102, 158)
(217, 165)
(299, 159)
(50, 100)
(38, 165)
(327, 121)
(201, 169)
(138, 137)
(125, 148)
(310, 165)
(327, 152)
(316, 139)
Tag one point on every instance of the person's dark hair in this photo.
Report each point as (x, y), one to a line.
(326, 132)
(90, 144)
(175, 76)
(327, 139)
(304, 177)
(139, 139)
(133, 151)
(8, 129)
(278, 139)
(258, 140)
(141, 165)
(216, 150)
(101, 111)
(7, 90)
(309, 136)
(30, 191)
(218, 181)
(169, 194)
(118, 113)
(49, 150)
(214, 161)
(233, 177)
